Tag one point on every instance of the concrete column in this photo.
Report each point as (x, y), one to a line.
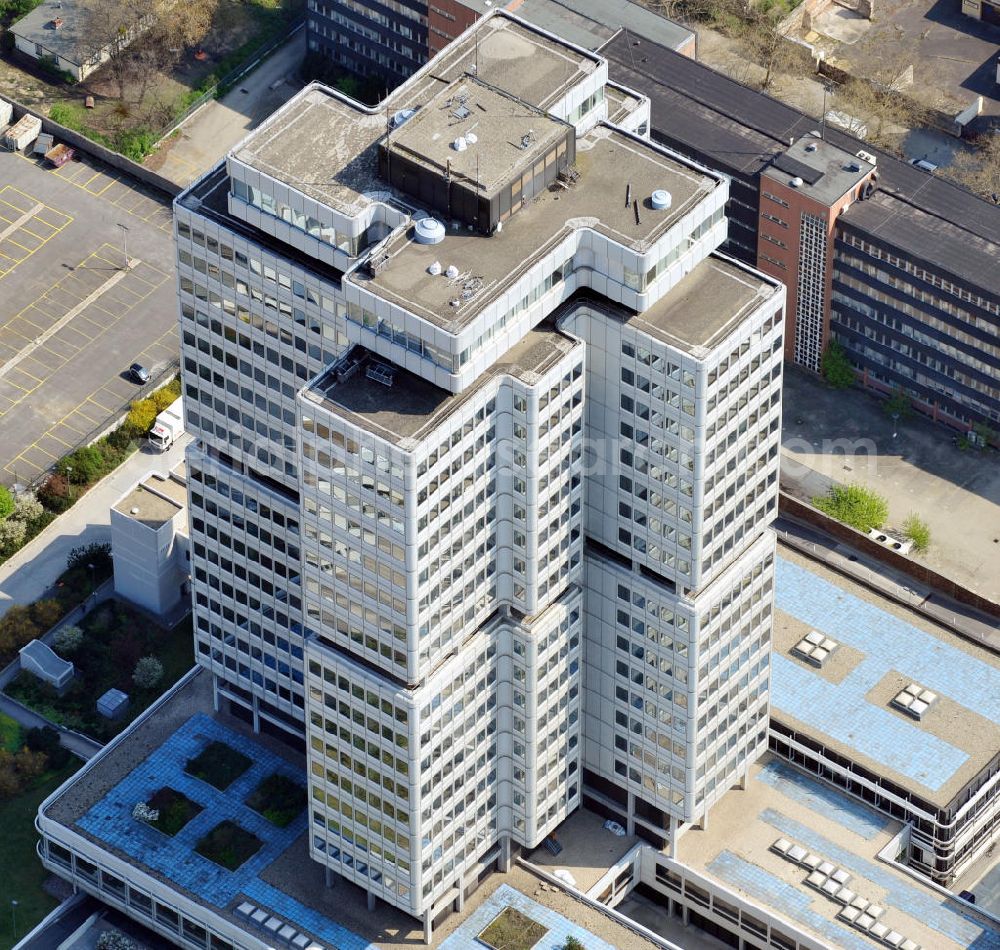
(703, 824)
(256, 715)
(630, 815)
(674, 826)
(685, 915)
(215, 692)
(372, 899)
(742, 783)
(428, 926)
(460, 900)
(328, 875)
(504, 861)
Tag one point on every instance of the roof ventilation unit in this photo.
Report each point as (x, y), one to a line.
(661, 199)
(914, 700)
(853, 167)
(815, 648)
(428, 231)
(796, 182)
(434, 269)
(452, 272)
(471, 138)
(460, 144)
(403, 115)
(811, 147)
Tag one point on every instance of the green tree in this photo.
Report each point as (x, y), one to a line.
(918, 531)
(68, 639)
(898, 404)
(83, 466)
(836, 367)
(854, 505)
(573, 944)
(6, 502)
(148, 672)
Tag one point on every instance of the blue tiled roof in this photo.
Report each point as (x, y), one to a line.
(888, 643)
(110, 820)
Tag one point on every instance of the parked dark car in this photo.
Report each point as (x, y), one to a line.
(139, 373)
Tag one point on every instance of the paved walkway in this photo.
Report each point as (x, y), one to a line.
(33, 570)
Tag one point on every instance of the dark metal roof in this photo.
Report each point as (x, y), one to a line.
(742, 130)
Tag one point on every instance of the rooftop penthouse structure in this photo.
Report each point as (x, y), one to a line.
(487, 450)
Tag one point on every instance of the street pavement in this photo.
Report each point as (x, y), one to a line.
(33, 570)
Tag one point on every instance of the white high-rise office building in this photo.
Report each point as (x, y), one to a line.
(487, 450)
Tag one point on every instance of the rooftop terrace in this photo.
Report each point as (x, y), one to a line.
(607, 161)
(410, 407)
(781, 802)
(707, 305)
(845, 704)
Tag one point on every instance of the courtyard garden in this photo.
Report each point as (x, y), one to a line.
(117, 647)
(218, 764)
(512, 930)
(279, 799)
(174, 810)
(228, 845)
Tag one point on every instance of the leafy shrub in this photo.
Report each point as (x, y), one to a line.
(46, 739)
(55, 493)
(68, 640)
(115, 940)
(140, 417)
(27, 507)
(12, 535)
(18, 769)
(97, 553)
(83, 466)
(6, 502)
(148, 672)
(918, 531)
(572, 944)
(854, 505)
(836, 367)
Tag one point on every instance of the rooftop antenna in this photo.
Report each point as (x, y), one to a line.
(628, 194)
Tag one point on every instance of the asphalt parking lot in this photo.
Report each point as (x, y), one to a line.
(72, 317)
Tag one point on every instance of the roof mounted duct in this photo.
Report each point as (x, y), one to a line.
(402, 116)
(428, 231)
(661, 199)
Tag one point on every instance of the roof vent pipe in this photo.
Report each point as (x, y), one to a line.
(796, 182)
(661, 199)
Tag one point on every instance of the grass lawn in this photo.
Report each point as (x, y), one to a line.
(512, 930)
(278, 799)
(116, 636)
(10, 733)
(229, 845)
(21, 873)
(218, 764)
(175, 809)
